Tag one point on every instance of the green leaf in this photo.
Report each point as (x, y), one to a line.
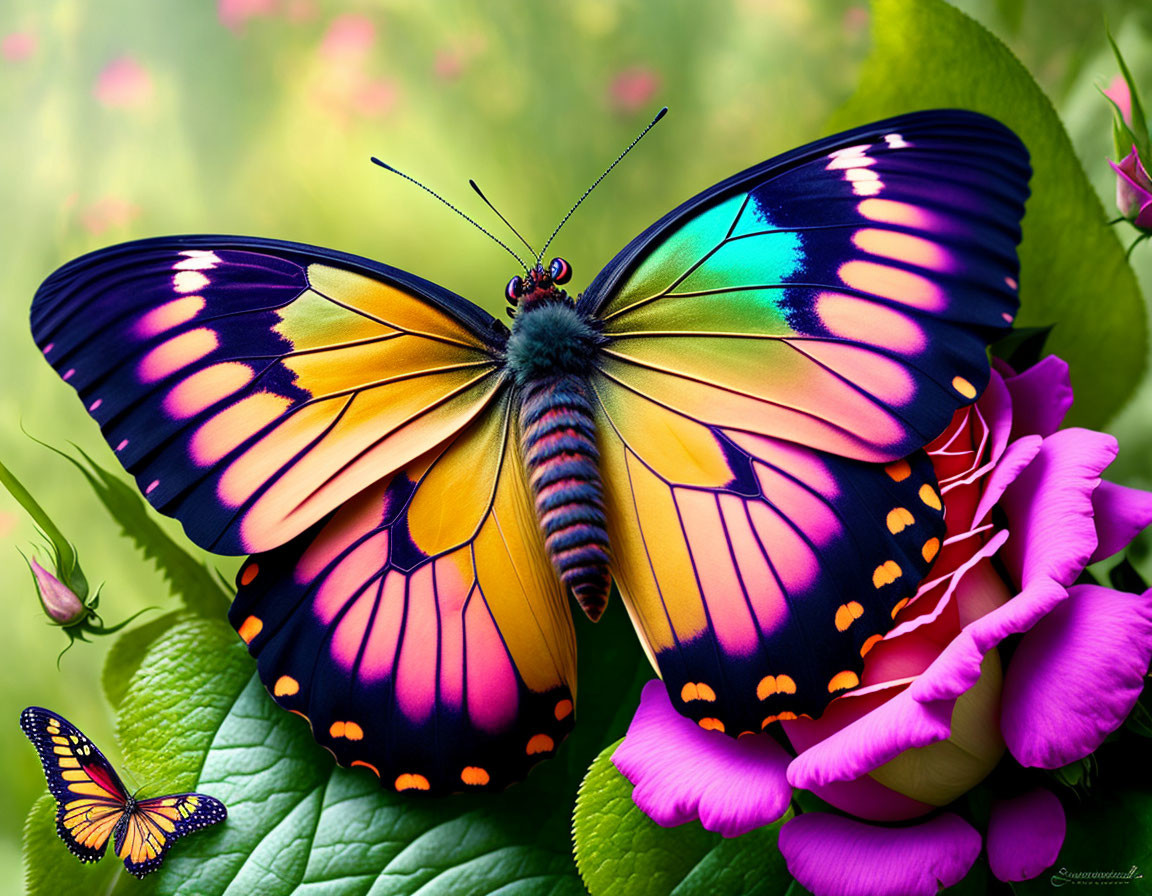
(1073, 271)
(1139, 122)
(50, 870)
(127, 653)
(194, 583)
(196, 716)
(620, 850)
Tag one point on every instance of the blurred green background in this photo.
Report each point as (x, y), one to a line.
(129, 119)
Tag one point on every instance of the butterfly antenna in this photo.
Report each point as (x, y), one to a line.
(627, 150)
(472, 183)
(436, 195)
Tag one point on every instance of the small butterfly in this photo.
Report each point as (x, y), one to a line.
(728, 422)
(93, 806)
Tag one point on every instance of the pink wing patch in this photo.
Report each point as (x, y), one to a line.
(421, 629)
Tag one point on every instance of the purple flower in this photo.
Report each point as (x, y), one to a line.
(1133, 190)
(58, 600)
(938, 705)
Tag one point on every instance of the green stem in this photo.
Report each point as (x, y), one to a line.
(23, 496)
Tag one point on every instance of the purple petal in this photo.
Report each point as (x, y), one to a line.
(1041, 397)
(869, 742)
(1049, 507)
(1015, 460)
(1076, 675)
(682, 772)
(1025, 835)
(1121, 514)
(835, 856)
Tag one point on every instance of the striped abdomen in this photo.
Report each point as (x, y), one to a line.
(559, 440)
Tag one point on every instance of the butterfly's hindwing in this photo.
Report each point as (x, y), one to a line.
(758, 573)
(146, 833)
(421, 629)
(253, 386)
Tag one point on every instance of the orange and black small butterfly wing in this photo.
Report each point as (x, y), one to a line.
(91, 800)
(146, 832)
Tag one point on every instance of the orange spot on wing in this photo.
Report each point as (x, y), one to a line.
(367, 765)
(563, 709)
(250, 628)
(842, 681)
(697, 691)
(899, 519)
(869, 644)
(775, 684)
(886, 573)
(474, 775)
(899, 470)
(352, 731)
(336, 729)
(249, 573)
(928, 496)
(779, 717)
(539, 743)
(930, 549)
(846, 614)
(903, 247)
(964, 387)
(710, 724)
(285, 686)
(900, 606)
(408, 781)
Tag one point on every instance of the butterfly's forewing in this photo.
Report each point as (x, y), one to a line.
(840, 296)
(826, 308)
(421, 629)
(150, 829)
(89, 795)
(253, 386)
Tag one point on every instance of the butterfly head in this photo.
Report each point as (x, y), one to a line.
(539, 285)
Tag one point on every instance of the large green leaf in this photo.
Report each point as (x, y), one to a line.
(1073, 271)
(196, 716)
(127, 653)
(620, 850)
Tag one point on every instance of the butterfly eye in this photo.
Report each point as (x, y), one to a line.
(514, 288)
(560, 270)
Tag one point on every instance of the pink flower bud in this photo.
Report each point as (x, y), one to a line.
(1134, 190)
(61, 605)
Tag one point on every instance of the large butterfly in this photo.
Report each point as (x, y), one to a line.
(728, 422)
(94, 807)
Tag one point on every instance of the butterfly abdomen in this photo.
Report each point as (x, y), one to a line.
(559, 441)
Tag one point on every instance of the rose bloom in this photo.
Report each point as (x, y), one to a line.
(1026, 511)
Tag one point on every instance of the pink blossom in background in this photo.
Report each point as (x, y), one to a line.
(633, 88)
(7, 524)
(123, 83)
(449, 65)
(1118, 92)
(348, 36)
(18, 46)
(855, 20)
(234, 14)
(375, 98)
(109, 213)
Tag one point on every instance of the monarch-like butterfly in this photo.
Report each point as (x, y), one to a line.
(728, 422)
(93, 806)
